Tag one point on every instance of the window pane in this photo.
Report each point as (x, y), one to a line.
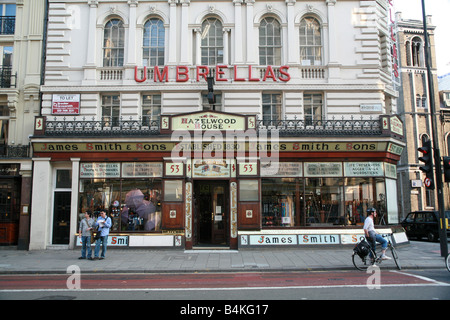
(63, 178)
(173, 190)
(248, 190)
(310, 42)
(269, 42)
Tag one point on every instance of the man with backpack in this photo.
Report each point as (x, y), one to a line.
(372, 236)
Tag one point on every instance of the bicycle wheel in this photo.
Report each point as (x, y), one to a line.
(395, 257)
(362, 263)
(447, 262)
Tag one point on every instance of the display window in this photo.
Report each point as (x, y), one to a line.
(282, 202)
(130, 193)
(324, 201)
(361, 194)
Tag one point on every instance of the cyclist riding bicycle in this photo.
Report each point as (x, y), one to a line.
(372, 236)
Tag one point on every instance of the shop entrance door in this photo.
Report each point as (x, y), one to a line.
(61, 218)
(211, 214)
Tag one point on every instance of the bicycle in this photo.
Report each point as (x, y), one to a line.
(364, 260)
(447, 262)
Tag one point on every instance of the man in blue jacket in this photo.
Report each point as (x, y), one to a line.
(104, 224)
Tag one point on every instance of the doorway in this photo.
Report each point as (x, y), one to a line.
(61, 218)
(211, 213)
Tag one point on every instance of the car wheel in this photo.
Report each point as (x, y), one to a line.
(431, 237)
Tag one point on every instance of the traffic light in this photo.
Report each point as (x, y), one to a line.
(446, 169)
(427, 159)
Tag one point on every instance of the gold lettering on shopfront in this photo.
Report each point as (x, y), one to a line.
(48, 147)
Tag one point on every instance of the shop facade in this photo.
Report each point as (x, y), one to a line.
(202, 191)
(215, 124)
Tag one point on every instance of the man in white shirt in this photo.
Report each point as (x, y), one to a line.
(372, 235)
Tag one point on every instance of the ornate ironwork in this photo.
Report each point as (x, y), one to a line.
(15, 152)
(333, 127)
(144, 127)
(105, 127)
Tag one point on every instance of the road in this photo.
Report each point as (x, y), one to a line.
(251, 286)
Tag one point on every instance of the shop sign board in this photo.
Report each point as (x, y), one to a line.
(113, 241)
(208, 121)
(395, 149)
(285, 169)
(205, 168)
(46, 147)
(273, 240)
(100, 170)
(248, 169)
(323, 169)
(318, 239)
(65, 104)
(363, 169)
(390, 170)
(142, 169)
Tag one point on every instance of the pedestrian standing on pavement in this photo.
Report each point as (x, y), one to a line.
(372, 236)
(84, 233)
(104, 224)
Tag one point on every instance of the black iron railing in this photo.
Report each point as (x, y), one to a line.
(106, 127)
(7, 151)
(332, 127)
(7, 78)
(7, 24)
(115, 126)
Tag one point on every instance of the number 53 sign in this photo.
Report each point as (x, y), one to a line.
(248, 169)
(175, 169)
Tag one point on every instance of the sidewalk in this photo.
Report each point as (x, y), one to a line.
(416, 255)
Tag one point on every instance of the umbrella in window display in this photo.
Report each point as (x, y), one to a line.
(134, 198)
(144, 209)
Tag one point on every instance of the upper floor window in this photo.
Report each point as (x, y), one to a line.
(4, 125)
(312, 105)
(269, 42)
(151, 109)
(217, 105)
(113, 43)
(7, 18)
(6, 76)
(212, 42)
(416, 52)
(153, 44)
(110, 110)
(271, 109)
(310, 42)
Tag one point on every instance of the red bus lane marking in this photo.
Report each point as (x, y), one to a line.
(210, 280)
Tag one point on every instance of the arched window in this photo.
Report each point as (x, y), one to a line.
(310, 42)
(269, 42)
(153, 43)
(113, 43)
(416, 48)
(212, 42)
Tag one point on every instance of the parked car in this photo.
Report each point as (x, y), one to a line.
(420, 224)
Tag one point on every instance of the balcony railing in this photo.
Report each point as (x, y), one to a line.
(78, 126)
(333, 127)
(104, 127)
(7, 24)
(7, 78)
(7, 151)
